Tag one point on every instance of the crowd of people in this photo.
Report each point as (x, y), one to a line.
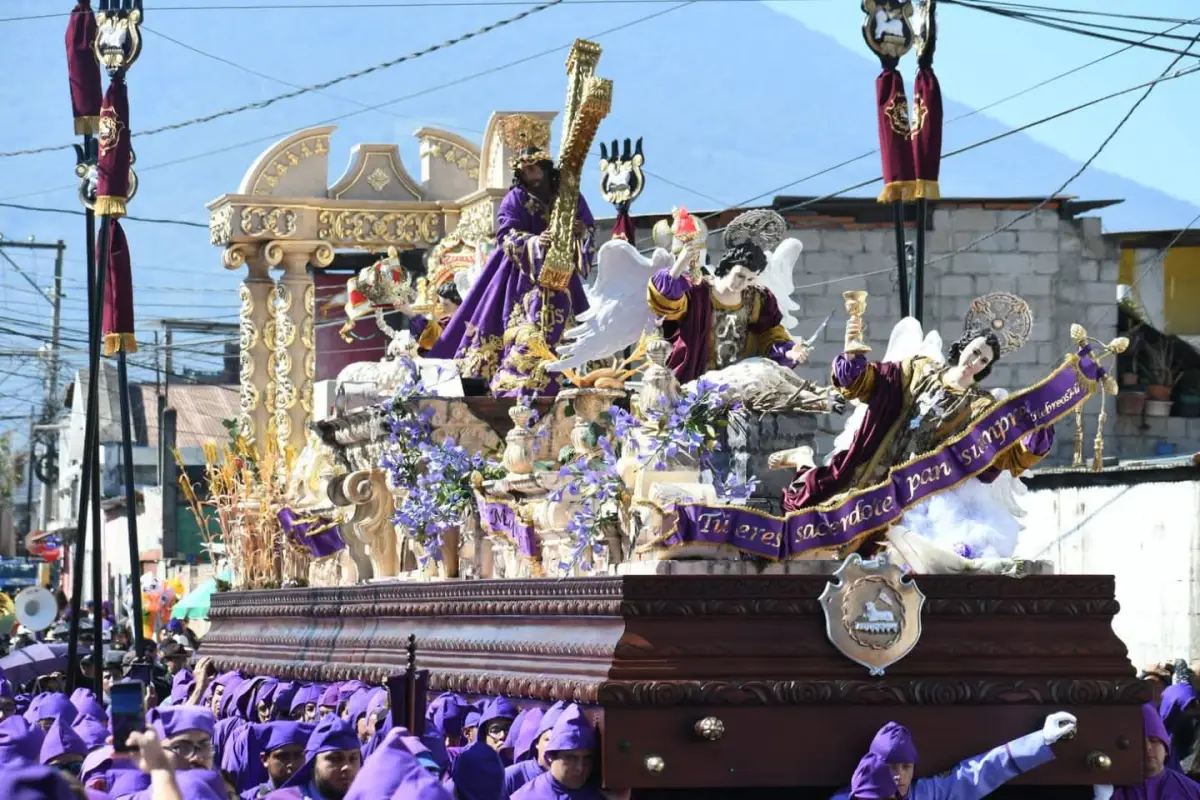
(230, 736)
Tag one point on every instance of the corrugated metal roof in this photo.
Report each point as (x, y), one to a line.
(199, 411)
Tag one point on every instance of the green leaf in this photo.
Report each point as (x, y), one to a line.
(566, 453)
(545, 465)
(592, 437)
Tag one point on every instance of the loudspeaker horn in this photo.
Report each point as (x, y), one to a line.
(36, 608)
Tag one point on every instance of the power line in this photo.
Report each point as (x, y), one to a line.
(1090, 13)
(316, 87)
(77, 213)
(1083, 168)
(951, 154)
(1062, 26)
(430, 90)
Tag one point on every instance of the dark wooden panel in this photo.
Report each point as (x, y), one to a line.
(650, 655)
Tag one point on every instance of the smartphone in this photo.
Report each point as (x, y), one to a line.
(127, 711)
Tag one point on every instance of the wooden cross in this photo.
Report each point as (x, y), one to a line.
(589, 99)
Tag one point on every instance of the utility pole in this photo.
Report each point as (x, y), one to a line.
(52, 358)
(48, 414)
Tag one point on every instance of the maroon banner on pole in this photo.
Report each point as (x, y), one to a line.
(927, 117)
(116, 150)
(83, 70)
(118, 293)
(895, 149)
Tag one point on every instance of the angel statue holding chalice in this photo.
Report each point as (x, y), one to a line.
(733, 320)
(910, 404)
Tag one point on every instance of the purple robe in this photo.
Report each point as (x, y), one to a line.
(520, 774)
(61, 740)
(93, 732)
(544, 787)
(883, 386)
(181, 686)
(478, 773)
(981, 775)
(20, 742)
(1170, 784)
(507, 294)
(34, 782)
(687, 309)
(1172, 707)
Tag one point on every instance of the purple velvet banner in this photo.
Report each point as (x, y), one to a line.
(501, 518)
(961, 458)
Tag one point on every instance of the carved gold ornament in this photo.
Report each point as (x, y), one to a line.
(456, 155)
(872, 612)
(412, 228)
(379, 179)
(1004, 314)
(276, 223)
(299, 151)
(621, 176)
(522, 131)
(887, 27)
(118, 41)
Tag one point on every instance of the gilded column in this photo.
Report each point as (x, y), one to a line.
(293, 356)
(255, 345)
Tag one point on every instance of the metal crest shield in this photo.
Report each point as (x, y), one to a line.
(872, 612)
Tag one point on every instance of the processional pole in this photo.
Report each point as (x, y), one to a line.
(910, 146)
(107, 184)
(83, 71)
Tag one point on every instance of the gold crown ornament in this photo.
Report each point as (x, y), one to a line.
(521, 132)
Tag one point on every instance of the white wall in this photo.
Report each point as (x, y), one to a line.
(1148, 536)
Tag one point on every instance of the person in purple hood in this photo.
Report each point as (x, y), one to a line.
(1180, 714)
(478, 773)
(976, 777)
(529, 761)
(8, 699)
(62, 748)
(55, 707)
(496, 721)
(186, 733)
(570, 751)
(92, 731)
(333, 761)
(873, 780)
(281, 747)
(328, 704)
(20, 742)
(1161, 782)
(34, 782)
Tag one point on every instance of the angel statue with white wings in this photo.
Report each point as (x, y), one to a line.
(906, 404)
(740, 312)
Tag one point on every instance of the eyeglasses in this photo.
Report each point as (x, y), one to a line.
(188, 750)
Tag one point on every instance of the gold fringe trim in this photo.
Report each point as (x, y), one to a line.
(901, 191)
(923, 189)
(108, 205)
(116, 342)
(87, 126)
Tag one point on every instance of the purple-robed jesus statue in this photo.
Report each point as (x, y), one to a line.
(492, 335)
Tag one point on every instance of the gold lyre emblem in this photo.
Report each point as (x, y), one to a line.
(872, 612)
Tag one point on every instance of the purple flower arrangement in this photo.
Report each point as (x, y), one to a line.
(436, 476)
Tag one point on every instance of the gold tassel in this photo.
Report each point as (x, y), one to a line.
(1077, 456)
(116, 342)
(1098, 443)
(925, 190)
(87, 126)
(110, 206)
(896, 190)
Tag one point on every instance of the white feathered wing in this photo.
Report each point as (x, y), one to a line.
(617, 314)
(781, 263)
(984, 517)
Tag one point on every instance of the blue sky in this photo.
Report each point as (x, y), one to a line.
(733, 99)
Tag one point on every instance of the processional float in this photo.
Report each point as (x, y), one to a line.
(104, 164)
(705, 621)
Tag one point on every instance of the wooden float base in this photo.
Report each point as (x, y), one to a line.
(652, 655)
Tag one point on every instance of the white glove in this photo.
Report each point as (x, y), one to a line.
(1058, 725)
(1102, 792)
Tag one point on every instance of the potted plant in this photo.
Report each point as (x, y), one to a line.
(1162, 374)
